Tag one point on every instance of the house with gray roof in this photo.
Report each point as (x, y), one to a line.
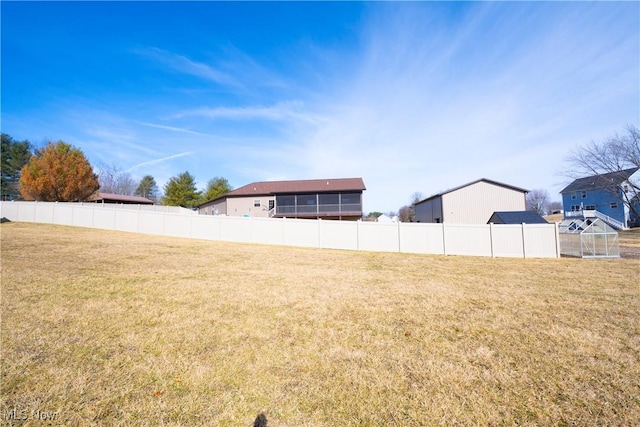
(612, 197)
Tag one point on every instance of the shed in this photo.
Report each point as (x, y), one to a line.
(517, 217)
(472, 203)
(588, 238)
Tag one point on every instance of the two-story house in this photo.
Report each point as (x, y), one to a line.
(604, 196)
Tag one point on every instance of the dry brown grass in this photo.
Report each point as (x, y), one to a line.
(630, 238)
(107, 328)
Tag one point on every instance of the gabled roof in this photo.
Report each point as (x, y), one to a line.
(517, 217)
(119, 198)
(269, 188)
(489, 181)
(596, 182)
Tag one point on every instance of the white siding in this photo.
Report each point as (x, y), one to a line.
(475, 203)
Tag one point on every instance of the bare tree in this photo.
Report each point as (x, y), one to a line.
(538, 201)
(407, 213)
(554, 207)
(114, 180)
(614, 157)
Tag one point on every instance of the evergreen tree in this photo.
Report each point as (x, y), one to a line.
(181, 191)
(216, 186)
(15, 154)
(148, 188)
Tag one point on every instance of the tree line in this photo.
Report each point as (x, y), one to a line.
(61, 172)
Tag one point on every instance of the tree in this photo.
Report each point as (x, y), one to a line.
(554, 207)
(612, 155)
(115, 181)
(58, 172)
(216, 186)
(181, 191)
(407, 213)
(374, 215)
(147, 188)
(538, 200)
(15, 154)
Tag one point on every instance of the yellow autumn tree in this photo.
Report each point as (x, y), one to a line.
(58, 173)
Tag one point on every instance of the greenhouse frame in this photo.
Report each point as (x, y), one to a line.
(588, 238)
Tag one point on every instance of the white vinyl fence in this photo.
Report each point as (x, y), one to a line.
(523, 240)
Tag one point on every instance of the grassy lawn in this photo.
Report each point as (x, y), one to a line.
(630, 238)
(108, 328)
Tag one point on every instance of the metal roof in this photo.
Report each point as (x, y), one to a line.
(120, 198)
(595, 182)
(489, 181)
(517, 217)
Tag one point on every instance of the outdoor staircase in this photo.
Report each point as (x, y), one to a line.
(614, 223)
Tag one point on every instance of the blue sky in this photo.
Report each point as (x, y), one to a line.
(409, 96)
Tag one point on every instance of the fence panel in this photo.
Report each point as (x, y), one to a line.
(266, 231)
(338, 234)
(127, 220)
(206, 227)
(104, 219)
(150, 222)
(375, 236)
(507, 241)
(467, 239)
(235, 229)
(422, 238)
(83, 216)
(9, 210)
(177, 225)
(27, 212)
(40, 212)
(301, 232)
(541, 241)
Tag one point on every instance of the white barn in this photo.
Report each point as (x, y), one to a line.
(471, 203)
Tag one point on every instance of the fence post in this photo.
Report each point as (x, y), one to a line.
(491, 238)
(524, 242)
(557, 240)
(444, 240)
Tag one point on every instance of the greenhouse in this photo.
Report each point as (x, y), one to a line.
(588, 238)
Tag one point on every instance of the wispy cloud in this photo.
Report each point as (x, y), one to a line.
(183, 64)
(278, 112)
(161, 160)
(171, 128)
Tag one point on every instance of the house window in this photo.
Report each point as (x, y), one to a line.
(574, 196)
(575, 208)
(590, 207)
(614, 205)
(256, 203)
(584, 194)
